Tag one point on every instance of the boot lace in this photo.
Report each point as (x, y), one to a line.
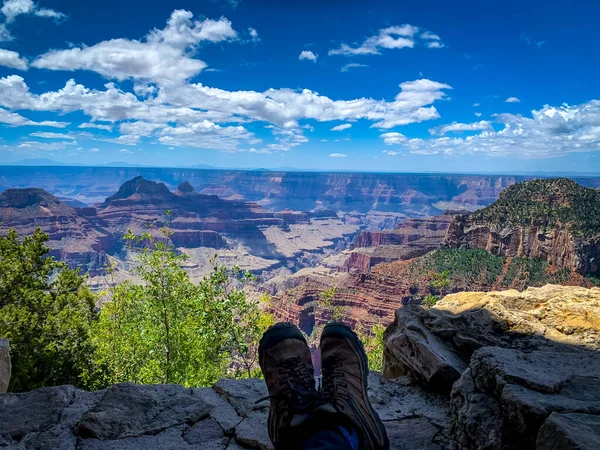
(333, 384)
(296, 385)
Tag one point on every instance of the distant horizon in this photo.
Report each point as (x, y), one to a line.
(117, 165)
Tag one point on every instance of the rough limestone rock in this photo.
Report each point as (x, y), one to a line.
(128, 416)
(527, 356)
(435, 345)
(570, 432)
(5, 366)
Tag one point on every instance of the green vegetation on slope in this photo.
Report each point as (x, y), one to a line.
(467, 269)
(548, 203)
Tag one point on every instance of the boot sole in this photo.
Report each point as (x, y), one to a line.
(338, 329)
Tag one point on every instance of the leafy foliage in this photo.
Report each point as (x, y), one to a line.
(169, 330)
(548, 203)
(45, 312)
(373, 344)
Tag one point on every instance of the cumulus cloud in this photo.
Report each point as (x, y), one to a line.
(512, 100)
(96, 126)
(124, 150)
(284, 107)
(48, 135)
(308, 55)
(338, 155)
(341, 127)
(550, 131)
(12, 59)
(347, 67)
(17, 120)
(394, 37)
(13, 8)
(393, 137)
(195, 115)
(478, 114)
(162, 56)
(459, 127)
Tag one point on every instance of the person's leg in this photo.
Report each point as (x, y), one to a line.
(284, 358)
(345, 401)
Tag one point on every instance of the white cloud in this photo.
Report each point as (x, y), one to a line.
(435, 44)
(13, 8)
(404, 36)
(17, 120)
(459, 127)
(5, 34)
(163, 56)
(284, 107)
(124, 150)
(342, 127)
(95, 126)
(476, 104)
(49, 13)
(512, 100)
(478, 114)
(253, 35)
(189, 114)
(12, 59)
(430, 36)
(338, 155)
(94, 150)
(47, 135)
(47, 146)
(550, 131)
(308, 55)
(347, 67)
(393, 138)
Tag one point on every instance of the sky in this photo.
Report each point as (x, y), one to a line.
(394, 86)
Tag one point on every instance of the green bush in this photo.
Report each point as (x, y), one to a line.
(45, 312)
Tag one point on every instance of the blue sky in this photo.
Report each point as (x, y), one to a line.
(332, 85)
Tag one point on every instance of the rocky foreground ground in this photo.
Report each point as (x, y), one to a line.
(497, 370)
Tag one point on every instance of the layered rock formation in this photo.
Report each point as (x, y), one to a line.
(238, 231)
(555, 220)
(226, 416)
(411, 239)
(522, 368)
(409, 194)
(77, 235)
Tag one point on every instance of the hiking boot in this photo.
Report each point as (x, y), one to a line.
(344, 401)
(284, 358)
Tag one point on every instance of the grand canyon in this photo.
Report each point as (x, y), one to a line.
(373, 239)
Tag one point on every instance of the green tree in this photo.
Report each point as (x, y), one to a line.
(45, 312)
(167, 329)
(373, 343)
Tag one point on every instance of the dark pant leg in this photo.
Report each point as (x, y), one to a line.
(327, 440)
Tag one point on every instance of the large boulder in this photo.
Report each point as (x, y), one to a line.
(435, 345)
(509, 360)
(5, 366)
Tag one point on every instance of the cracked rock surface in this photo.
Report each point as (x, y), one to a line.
(128, 416)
